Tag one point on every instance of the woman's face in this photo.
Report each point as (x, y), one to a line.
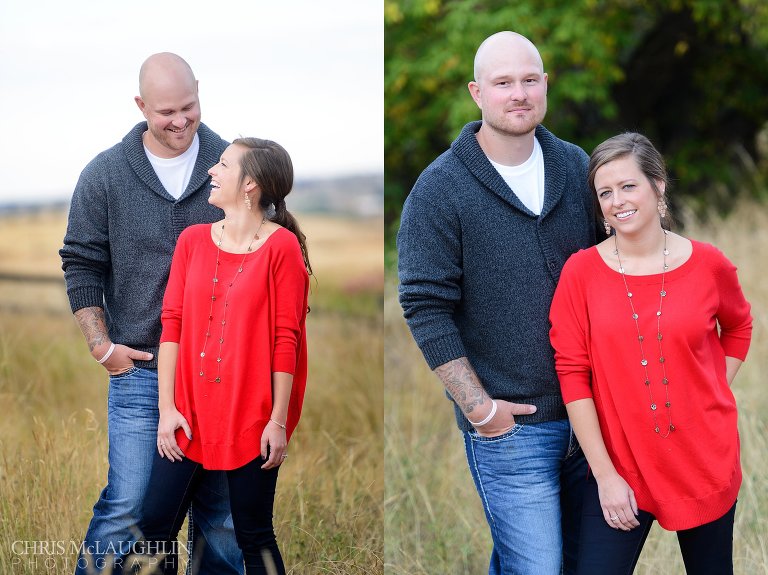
(226, 188)
(626, 196)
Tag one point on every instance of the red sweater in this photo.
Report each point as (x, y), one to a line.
(264, 333)
(693, 476)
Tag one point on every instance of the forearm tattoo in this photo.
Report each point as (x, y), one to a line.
(93, 326)
(462, 383)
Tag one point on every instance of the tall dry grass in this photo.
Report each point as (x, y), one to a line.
(53, 442)
(434, 523)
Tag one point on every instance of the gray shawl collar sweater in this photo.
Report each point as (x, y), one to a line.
(122, 230)
(478, 269)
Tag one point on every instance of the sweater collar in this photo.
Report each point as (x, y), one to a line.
(468, 150)
(137, 159)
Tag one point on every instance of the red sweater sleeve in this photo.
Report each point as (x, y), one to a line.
(569, 332)
(173, 301)
(291, 283)
(733, 312)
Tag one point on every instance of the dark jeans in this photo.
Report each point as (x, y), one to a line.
(251, 497)
(706, 550)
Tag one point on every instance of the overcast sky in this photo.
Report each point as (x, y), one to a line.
(308, 74)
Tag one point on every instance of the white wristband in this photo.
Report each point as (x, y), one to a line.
(487, 418)
(109, 352)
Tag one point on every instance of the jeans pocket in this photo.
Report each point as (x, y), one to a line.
(131, 371)
(475, 436)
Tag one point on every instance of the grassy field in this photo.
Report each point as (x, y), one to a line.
(434, 523)
(53, 447)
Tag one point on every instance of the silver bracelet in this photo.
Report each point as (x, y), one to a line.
(487, 418)
(276, 423)
(109, 352)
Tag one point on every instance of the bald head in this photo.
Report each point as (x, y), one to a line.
(164, 68)
(505, 46)
(168, 99)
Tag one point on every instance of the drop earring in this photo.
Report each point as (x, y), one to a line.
(248, 202)
(607, 227)
(662, 206)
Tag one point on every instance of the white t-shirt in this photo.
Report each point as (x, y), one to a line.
(527, 179)
(175, 173)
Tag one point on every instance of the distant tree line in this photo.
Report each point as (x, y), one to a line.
(692, 75)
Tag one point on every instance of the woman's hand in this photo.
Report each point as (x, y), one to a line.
(273, 443)
(618, 502)
(170, 421)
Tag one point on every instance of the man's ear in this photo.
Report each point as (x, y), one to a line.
(474, 91)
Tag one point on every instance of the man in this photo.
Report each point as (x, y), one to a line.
(129, 207)
(483, 237)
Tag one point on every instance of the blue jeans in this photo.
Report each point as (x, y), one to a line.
(132, 418)
(530, 480)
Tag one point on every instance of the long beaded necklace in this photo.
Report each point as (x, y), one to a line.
(640, 338)
(255, 237)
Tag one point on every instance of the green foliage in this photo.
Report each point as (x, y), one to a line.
(690, 74)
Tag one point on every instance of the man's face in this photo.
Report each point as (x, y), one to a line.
(511, 91)
(172, 111)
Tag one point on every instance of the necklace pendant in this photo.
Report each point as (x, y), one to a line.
(666, 252)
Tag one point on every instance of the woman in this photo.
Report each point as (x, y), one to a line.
(232, 362)
(646, 375)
